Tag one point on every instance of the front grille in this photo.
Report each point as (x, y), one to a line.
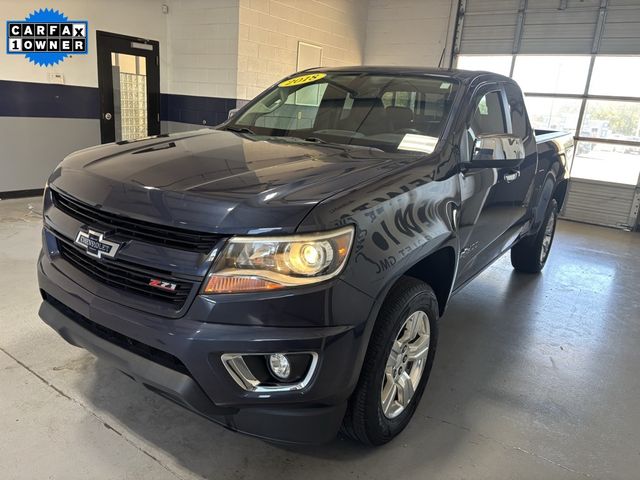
(130, 229)
(134, 346)
(125, 275)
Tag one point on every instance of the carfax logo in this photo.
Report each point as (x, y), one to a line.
(47, 37)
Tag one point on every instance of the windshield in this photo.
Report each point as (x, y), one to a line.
(391, 112)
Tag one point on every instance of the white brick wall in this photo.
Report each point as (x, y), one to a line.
(269, 31)
(409, 32)
(202, 38)
(236, 48)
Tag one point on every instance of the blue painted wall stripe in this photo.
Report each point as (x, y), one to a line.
(29, 99)
(197, 110)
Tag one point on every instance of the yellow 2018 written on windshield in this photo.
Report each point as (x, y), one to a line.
(301, 80)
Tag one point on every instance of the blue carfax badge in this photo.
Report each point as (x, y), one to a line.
(46, 37)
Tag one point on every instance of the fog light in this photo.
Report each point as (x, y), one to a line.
(271, 372)
(279, 365)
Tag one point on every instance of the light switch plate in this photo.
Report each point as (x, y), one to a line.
(56, 78)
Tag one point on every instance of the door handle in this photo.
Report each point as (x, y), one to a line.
(511, 176)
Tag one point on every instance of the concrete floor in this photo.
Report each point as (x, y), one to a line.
(536, 377)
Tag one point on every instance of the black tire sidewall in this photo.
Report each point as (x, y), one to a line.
(552, 209)
(381, 429)
(525, 255)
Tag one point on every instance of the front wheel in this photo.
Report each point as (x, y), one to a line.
(397, 364)
(530, 254)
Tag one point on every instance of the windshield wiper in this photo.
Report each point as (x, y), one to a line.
(240, 130)
(319, 140)
(340, 145)
(345, 147)
(316, 140)
(289, 138)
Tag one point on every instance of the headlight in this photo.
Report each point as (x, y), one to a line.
(252, 264)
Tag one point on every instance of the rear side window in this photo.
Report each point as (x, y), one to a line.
(488, 117)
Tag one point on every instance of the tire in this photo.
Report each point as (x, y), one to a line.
(366, 420)
(530, 254)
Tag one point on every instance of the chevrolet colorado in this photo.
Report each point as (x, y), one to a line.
(283, 273)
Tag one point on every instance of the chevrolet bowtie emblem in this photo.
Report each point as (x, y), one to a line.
(95, 244)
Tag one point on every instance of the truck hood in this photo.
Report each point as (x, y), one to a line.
(217, 181)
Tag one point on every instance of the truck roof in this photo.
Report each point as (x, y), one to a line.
(464, 76)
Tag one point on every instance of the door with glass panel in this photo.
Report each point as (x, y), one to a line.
(494, 209)
(129, 84)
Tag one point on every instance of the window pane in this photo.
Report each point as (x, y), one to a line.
(551, 73)
(607, 163)
(489, 116)
(553, 113)
(491, 63)
(613, 120)
(298, 112)
(402, 112)
(129, 79)
(616, 76)
(309, 96)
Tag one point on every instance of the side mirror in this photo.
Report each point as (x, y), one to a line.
(497, 151)
(232, 112)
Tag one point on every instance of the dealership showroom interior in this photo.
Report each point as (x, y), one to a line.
(320, 239)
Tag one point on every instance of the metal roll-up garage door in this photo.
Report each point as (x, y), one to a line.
(597, 33)
(528, 27)
(601, 203)
(489, 27)
(621, 33)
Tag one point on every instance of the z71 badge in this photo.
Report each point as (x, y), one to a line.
(95, 244)
(162, 285)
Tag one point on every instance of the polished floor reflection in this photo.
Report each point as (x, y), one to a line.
(536, 377)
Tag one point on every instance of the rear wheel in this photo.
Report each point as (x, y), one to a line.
(397, 364)
(530, 254)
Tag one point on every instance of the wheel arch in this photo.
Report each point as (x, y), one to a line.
(560, 192)
(546, 195)
(437, 270)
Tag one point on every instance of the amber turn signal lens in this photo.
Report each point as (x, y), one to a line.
(224, 284)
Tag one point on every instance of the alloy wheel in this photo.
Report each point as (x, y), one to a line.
(405, 365)
(548, 237)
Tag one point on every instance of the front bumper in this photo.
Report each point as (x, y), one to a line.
(180, 359)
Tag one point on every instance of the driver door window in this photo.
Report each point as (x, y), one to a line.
(488, 118)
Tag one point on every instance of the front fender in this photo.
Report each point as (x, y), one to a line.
(399, 221)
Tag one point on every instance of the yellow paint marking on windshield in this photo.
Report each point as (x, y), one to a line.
(301, 80)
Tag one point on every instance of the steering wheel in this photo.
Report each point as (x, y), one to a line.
(410, 130)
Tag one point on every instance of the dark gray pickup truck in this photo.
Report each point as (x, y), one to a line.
(283, 274)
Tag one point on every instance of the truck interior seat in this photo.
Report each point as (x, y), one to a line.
(399, 117)
(367, 116)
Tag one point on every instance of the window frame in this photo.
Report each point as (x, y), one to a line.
(481, 92)
(528, 127)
